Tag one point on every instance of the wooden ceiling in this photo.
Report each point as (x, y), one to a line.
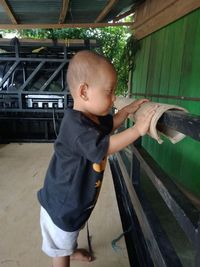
(20, 14)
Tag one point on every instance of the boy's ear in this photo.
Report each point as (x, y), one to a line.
(83, 88)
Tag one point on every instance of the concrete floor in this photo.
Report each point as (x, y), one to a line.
(22, 170)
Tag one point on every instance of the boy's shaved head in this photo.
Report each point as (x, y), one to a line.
(84, 68)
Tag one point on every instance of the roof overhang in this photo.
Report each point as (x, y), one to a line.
(64, 13)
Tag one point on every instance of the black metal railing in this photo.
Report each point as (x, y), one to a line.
(147, 242)
(182, 122)
(33, 91)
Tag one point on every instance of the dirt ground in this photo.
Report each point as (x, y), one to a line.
(22, 170)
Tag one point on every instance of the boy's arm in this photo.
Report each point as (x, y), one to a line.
(122, 114)
(125, 138)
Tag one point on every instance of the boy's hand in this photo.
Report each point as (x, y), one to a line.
(133, 107)
(142, 121)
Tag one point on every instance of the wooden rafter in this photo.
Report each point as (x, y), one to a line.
(63, 13)
(8, 11)
(106, 10)
(125, 14)
(161, 16)
(59, 26)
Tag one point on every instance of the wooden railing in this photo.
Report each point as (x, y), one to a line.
(147, 242)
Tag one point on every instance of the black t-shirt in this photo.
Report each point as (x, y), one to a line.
(74, 176)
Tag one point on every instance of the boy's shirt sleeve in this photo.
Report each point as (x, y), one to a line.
(93, 143)
(92, 146)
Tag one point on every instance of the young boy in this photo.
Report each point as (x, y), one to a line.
(75, 173)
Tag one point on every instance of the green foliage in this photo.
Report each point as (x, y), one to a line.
(116, 43)
(127, 63)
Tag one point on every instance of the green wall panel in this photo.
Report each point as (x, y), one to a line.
(190, 77)
(169, 64)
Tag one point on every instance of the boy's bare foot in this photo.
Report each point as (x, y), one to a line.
(81, 254)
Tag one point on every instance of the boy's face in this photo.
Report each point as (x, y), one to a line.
(101, 94)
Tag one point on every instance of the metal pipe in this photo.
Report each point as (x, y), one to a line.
(167, 96)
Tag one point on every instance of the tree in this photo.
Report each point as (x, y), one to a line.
(116, 43)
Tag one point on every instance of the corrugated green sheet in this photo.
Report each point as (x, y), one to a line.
(169, 64)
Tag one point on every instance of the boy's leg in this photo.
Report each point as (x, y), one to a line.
(81, 254)
(58, 243)
(61, 261)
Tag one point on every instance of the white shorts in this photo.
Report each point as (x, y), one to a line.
(56, 242)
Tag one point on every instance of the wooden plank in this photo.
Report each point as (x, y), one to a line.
(106, 10)
(189, 86)
(159, 51)
(150, 9)
(169, 13)
(141, 71)
(136, 73)
(124, 15)
(151, 72)
(142, 11)
(189, 168)
(181, 161)
(156, 240)
(177, 38)
(8, 11)
(159, 73)
(25, 41)
(185, 123)
(166, 62)
(184, 211)
(144, 66)
(59, 26)
(63, 13)
(190, 80)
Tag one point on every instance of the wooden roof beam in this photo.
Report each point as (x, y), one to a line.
(150, 19)
(124, 15)
(64, 10)
(68, 25)
(8, 11)
(106, 10)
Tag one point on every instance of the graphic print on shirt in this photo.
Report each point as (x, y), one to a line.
(98, 184)
(99, 167)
